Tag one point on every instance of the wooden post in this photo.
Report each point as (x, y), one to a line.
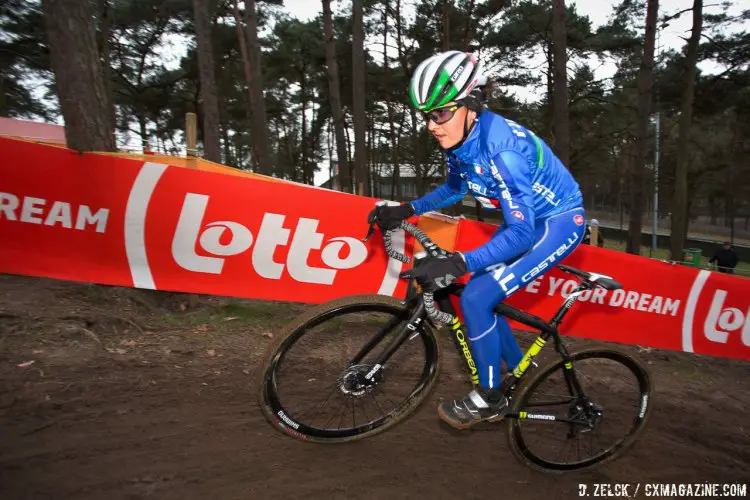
(191, 137)
(594, 236)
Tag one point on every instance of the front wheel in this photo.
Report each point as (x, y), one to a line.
(311, 389)
(560, 430)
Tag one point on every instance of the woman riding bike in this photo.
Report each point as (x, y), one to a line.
(506, 167)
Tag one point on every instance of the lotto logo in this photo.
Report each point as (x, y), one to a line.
(224, 239)
(578, 219)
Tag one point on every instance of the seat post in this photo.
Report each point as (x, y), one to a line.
(582, 287)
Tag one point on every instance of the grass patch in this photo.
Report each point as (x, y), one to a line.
(250, 312)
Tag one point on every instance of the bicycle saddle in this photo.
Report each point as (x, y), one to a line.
(601, 280)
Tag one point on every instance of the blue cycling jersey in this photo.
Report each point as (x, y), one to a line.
(505, 167)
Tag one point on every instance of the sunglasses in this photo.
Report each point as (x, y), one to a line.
(441, 115)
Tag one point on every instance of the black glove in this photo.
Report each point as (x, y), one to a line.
(438, 272)
(389, 217)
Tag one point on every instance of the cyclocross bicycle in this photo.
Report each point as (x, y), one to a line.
(354, 367)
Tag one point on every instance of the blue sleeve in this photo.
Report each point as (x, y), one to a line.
(517, 204)
(450, 193)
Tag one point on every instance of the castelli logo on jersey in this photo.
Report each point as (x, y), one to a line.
(578, 219)
(724, 322)
(302, 241)
(517, 214)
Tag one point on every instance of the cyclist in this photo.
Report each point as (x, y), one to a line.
(506, 167)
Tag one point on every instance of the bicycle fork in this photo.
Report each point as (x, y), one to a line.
(408, 330)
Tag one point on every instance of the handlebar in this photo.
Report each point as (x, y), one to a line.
(431, 248)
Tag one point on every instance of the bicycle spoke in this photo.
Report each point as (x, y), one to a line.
(377, 404)
(389, 399)
(343, 414)
(331, 388)
(354, 418)
(331, 393)
(330, 420)
(365, 411)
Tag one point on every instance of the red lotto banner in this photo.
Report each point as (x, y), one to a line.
(123, 222)
(128, 222)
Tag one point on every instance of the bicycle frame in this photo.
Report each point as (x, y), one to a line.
(548, 329)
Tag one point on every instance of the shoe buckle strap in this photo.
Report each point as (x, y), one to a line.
(478, 400)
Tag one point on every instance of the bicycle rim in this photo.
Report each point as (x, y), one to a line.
(617, 383)
(295, 395)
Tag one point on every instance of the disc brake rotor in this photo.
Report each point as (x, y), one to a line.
(354, 382)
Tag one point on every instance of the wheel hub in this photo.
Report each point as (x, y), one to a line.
(587, 416)
(354, 382)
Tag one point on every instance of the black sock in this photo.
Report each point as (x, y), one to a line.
(494, 396)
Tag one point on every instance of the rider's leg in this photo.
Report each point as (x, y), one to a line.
(490, 333)
(478, 300)
(509, 349)
(495, 340)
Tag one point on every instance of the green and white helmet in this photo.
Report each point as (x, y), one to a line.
(445, 77)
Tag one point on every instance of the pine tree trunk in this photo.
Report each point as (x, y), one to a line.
(560, 56)
(142, 126)
(104, 10)
(638, 175)
(86, 108)
(303, 140)
(335, 100)
(680, 199)
(550, 111)
(209, 98)
(467, 26)
(260, 123)
(417, 153)
(312, 142)
(227, 150)
(242, 42)
(389, 105)
(446, 27)
(358, 98)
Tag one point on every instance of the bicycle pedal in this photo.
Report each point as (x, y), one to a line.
(496, 418)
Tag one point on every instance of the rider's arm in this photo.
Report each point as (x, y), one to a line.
(450, 193)
(516, 202)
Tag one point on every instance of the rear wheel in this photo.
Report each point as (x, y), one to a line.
(312, 391)
(607, 417)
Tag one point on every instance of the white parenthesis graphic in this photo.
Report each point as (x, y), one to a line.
(135, 223)
(390, 278)
(687, 318)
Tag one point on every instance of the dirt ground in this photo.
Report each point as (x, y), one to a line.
(135, 394)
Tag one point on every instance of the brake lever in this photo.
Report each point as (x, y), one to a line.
(370, 232)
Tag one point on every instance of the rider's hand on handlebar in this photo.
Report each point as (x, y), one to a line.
(438, 272)
(389, 217)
